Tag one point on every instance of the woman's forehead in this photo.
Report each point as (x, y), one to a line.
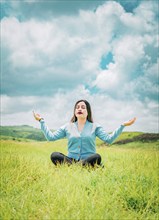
(81, 103)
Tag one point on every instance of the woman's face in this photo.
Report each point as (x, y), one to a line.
(81, 110)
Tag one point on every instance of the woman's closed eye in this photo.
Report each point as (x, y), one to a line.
(82, 107)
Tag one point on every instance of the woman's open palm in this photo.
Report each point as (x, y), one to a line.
(37, 116)
(130, 122)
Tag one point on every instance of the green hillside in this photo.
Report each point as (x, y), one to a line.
(21, 132)
(128, 137)
(26, 132)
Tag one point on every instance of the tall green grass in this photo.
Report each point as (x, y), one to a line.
(33, 188)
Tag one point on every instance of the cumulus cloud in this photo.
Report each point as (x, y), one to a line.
(25, 9)
(50, 63)
(69, 49)
(58, 110)
(134, 55)
(41, 10)
(39, 53)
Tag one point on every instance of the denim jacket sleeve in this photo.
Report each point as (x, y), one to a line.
(108, 138)
(52, 136)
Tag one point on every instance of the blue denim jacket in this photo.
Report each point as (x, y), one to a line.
(80, 144)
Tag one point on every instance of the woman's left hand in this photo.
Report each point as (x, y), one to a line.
(37, 116)
(130, 122)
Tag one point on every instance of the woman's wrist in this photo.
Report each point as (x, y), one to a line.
(41, 119)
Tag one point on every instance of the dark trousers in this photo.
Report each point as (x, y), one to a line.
(59, 158)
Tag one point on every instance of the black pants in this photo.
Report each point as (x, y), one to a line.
(59, 158)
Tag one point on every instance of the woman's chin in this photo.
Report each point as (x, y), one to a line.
(81, 117)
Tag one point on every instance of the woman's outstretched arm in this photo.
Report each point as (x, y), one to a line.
(50, 136)
(109, 138)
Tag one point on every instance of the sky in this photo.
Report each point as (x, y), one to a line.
(54, 53)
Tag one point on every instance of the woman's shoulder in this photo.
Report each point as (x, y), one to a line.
(65, 125)
(96, 124)
(68, 125)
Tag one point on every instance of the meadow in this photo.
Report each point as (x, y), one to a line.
(33, 188)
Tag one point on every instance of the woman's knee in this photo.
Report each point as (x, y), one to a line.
(57, 157)
(99, 158)
(54, 156)
(93, 159)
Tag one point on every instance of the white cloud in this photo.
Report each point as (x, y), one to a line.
(134, 53)
(109, 9)
(127, 55)
(58, 110)
(48, 64)
(66, 45)
(107, 79)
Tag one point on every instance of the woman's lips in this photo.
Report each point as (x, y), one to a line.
(80, 113)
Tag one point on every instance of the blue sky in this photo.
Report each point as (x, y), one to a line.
(56, 52)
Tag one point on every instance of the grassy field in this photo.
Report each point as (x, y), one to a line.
(33, 188)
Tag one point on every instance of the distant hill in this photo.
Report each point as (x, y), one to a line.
(26, 132)
(21, 132)
(143, 137)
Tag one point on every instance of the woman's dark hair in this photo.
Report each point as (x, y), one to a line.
(89, 116)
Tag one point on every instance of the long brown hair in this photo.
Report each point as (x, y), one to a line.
(89, 116)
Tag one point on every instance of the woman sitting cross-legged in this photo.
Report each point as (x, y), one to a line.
(81, 133)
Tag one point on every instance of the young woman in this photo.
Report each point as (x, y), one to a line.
(81, 133)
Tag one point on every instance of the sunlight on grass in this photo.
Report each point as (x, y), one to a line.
(33, 188)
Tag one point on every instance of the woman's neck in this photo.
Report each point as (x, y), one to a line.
(81, 121)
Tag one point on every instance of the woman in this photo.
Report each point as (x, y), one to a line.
(81, 133)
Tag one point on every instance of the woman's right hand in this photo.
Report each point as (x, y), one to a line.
(37, 116)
